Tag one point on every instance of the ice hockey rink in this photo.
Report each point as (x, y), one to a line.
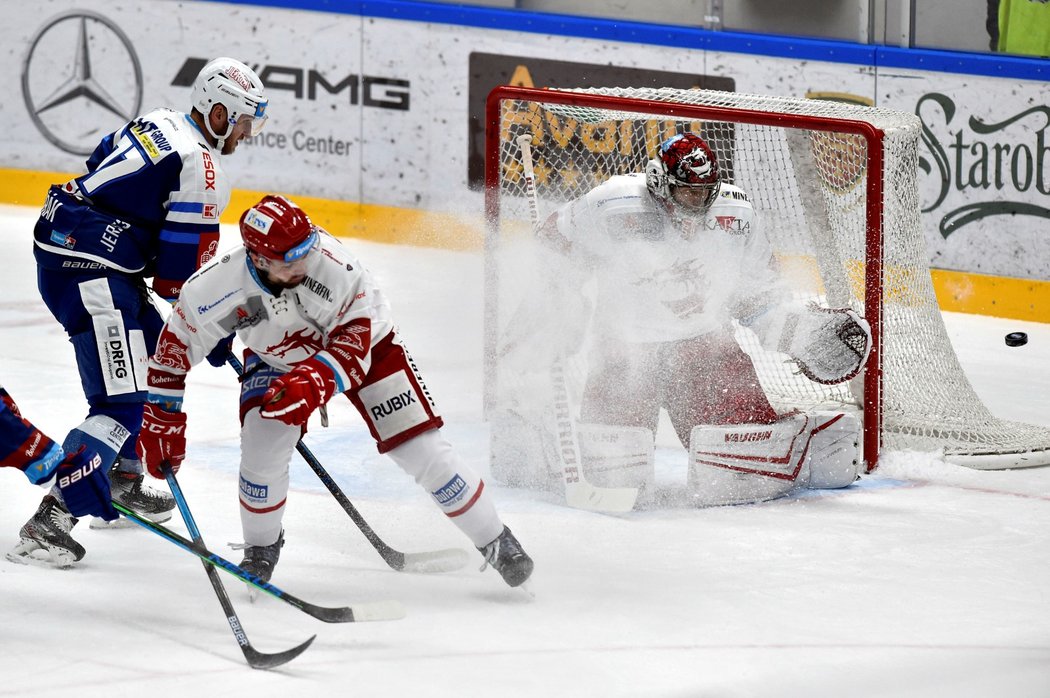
(923, 579)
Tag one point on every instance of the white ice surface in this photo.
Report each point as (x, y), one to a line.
(924, 579)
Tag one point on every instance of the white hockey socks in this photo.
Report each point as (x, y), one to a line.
(454, 486)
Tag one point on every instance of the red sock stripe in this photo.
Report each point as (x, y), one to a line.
(265, 510)
(466, 507)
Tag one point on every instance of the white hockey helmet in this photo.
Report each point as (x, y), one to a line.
(234, 85)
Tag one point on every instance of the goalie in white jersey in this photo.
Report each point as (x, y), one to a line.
(314, 324)
(677, 259)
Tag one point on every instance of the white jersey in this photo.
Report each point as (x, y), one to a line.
(226, 296)
(660, 279)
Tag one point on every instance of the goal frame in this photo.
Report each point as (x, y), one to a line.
(874, 280)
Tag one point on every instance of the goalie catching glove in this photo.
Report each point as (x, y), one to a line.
(830, 345)
(293, 397)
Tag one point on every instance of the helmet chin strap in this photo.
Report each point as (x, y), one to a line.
(220, 140)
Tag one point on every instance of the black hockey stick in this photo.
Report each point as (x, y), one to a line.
(255, 658)
(376, 610)
(446, 560)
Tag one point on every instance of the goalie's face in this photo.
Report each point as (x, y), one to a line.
(696, 200)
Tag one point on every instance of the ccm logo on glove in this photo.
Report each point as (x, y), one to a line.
(162, 439)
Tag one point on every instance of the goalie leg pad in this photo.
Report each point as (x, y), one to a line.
(743, 463)
(615, 456)
(756, 462)
(835, 451)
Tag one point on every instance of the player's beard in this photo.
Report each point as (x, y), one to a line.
(284, 284)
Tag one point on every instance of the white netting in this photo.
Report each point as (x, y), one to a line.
(808, 189)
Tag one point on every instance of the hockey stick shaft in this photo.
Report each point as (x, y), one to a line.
(436, 561)
(578, 492)
(255, 658)
(382, 610)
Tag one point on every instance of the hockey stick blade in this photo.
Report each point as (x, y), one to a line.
(262, 660)
(375, 611)
(435, 561)
(614, 500)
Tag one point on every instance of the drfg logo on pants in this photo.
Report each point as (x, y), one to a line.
(115, 357)
(81, 79)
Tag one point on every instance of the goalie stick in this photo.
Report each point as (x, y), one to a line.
(371, 611)
(579, 493)
(447, 560)
(255, 658)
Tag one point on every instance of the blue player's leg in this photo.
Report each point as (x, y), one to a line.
(113, 327)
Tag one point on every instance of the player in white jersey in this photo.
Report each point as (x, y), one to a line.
(678, 258)
(148, 207)
(315, 324)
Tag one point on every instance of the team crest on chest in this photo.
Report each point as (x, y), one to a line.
(292, 341)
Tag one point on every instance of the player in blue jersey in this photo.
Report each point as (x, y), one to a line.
(77, 474)
(147, 208)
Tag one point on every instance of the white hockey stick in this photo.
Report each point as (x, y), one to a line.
(579, 493)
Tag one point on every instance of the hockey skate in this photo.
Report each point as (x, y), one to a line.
(507, 557)
(259, 560)
(45, 539)
(128, 490)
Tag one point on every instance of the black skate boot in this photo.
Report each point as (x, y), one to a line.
(507, 557)
(45, 538)
(128, 489)
(260, 560)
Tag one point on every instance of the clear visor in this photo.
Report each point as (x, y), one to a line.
(249, 125)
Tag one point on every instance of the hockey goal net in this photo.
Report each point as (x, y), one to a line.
(834, 188)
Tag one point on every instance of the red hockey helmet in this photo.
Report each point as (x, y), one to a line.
(277, 229)
(684, 161)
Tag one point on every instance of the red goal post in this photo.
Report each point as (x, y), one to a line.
(835, 188)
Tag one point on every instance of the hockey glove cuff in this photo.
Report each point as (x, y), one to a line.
(84, 484)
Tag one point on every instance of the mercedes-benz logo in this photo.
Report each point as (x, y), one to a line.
(81, 79)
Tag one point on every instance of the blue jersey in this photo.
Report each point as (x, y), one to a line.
(148, 205)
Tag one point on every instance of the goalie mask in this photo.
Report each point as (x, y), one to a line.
(684, 173)
(279, 237)
(234, 85)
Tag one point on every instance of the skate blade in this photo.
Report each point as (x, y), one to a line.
(123, 522)
(32, 553)
(526, 590)
(253, 593)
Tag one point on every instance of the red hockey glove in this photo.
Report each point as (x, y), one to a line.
(295, 395)
(162, 438)
(84, 484)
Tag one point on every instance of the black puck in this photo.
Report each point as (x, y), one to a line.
(1016, 339)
